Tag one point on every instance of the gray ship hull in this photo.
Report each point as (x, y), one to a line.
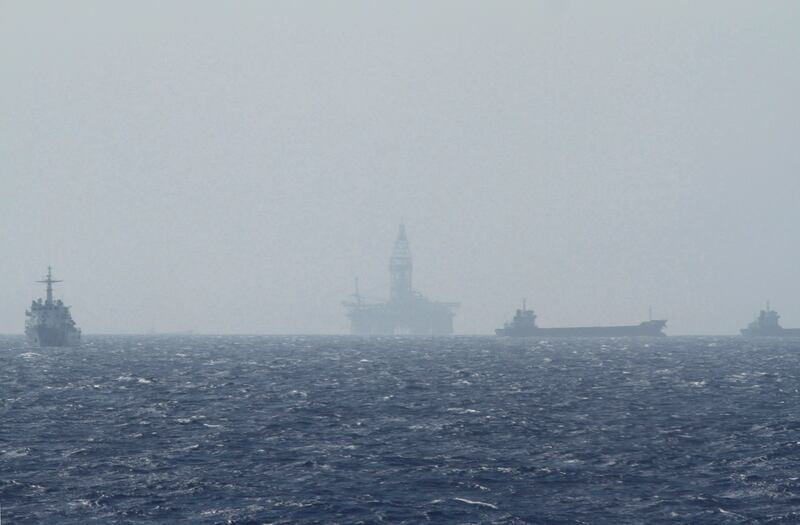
(765, 332)
(645, 329)
(51, 336)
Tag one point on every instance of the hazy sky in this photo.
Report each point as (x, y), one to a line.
(232, 166)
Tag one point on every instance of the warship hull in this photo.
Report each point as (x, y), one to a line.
(52, 336)
(763, 332)
(646, 329)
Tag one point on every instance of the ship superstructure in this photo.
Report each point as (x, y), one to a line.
(524, 325)
(49, 322)
(766, 324)
(407, 312)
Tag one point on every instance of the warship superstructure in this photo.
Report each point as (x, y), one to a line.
(49, 322)
(524, 325)
(407, 312)
(766, 324)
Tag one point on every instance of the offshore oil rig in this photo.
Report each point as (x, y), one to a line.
(407, 312)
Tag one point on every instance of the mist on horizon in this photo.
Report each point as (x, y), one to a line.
(233, 168)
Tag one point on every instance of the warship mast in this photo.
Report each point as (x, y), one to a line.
(49, 281)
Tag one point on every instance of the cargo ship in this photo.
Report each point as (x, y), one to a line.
(50, 322)
(524, 325)
(767, 325)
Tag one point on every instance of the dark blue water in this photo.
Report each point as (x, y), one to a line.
(254, 430)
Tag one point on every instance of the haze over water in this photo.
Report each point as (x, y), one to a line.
(231, 168)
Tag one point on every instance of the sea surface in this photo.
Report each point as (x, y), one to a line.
(256, 430)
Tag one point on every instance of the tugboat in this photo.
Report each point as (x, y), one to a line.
(49, 322)
(524, 325)
(766, 325)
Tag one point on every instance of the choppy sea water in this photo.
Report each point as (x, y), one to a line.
(255, 430)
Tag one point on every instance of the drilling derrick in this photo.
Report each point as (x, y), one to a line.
(401, 268)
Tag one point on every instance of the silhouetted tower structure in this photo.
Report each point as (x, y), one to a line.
(401, 268)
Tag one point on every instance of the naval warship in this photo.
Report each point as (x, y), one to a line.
(524, 325)
(766, 324)
(49, 322)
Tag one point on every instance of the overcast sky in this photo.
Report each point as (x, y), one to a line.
(230, 167)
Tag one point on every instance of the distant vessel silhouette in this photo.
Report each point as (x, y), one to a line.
(767, 325)
(49, 322)
(524, 325)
